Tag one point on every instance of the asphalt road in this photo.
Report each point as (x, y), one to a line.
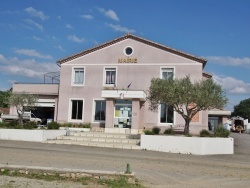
(154, 169)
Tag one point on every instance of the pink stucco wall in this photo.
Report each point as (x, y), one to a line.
(150, 60)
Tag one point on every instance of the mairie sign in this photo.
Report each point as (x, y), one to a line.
(127, 60)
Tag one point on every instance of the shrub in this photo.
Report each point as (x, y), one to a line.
(30, 125)
(156, 130)
(53, 125)
(149, 132)
(205, 133)
(220, 131)
(169, 131)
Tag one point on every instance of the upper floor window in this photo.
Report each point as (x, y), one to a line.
(110, 76)
(167, 73)
(78, 76)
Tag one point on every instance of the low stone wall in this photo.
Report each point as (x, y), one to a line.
(30, 135)
(187, 145)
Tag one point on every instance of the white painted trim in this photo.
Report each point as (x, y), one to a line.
(73, 75)
(159, 118)
(70, 109)
(167, 67)
(124, 51)
(104, 75)
(93, 110)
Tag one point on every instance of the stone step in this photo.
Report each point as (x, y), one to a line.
(95, 144)
(100, 139)
(105, 135)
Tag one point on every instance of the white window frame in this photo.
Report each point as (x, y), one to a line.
(104, 76)
(73, 75)
(159, 118)
(162, 70)
(93, 110)
(70, 110)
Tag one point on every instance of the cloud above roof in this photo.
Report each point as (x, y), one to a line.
(32, 53)
(244, 62)
(35, 13)
(109, 13)
(76, 39)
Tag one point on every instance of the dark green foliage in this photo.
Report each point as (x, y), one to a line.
(79, 125)
(53, 125)
(220, 131)
(169, 131)
(15, 125)
(148, 132)
(205, 133)
(4, 98)
(242, 109)
(156, 130)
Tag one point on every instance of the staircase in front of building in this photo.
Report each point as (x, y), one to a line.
(100, 139)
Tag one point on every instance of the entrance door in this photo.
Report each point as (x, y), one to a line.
(123, 113)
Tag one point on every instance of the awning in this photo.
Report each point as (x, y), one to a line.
(124, 94)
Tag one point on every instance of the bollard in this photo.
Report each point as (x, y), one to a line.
(128, 169)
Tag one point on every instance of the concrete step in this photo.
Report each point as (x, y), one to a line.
(106, 135)
(96, 144)
(100, 139)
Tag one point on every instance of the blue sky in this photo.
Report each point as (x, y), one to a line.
(35, 34)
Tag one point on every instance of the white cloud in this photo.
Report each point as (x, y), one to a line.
(59, 47)
(244, 62)
(37, 38)
(27, 67)
(87, 17)
(69, 26)
(121, 28)
(2, 59)
(32, 53)
(75, 39)
(35, 13)
(31, 22)
(109, 13)
(232, 85)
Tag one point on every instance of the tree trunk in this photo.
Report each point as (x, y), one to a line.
(186, 129)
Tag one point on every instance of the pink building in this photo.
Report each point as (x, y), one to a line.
(107, 86)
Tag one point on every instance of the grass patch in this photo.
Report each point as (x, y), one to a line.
(106, 181)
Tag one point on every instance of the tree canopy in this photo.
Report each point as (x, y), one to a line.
(4, 97)
(22, 102)
(187, 98)
(242, 109)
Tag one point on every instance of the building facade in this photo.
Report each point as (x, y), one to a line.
(107, 86)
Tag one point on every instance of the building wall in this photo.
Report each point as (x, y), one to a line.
(150, 60)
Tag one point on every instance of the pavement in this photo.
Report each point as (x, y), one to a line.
(154, 169)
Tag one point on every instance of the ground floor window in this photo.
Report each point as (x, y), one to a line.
(123, 113)
(100, 110)
(167, 114)
(76, 109)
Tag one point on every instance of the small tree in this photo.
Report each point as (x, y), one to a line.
(22, 101)
(187, 98)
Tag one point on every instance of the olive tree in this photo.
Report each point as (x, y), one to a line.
(185, 97)
(22, 102)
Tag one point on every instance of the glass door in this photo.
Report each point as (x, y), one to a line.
(123, 113)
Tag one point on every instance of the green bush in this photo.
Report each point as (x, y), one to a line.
(53, 125)
(81, 125)
(30, 125)
(149, 132)
(205, 133)
(220, 131)
(169, 131)
(156, 130)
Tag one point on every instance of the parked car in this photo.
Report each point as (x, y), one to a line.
(27, 116)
